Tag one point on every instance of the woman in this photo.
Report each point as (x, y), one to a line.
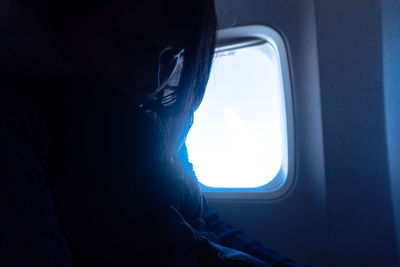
(117, 115)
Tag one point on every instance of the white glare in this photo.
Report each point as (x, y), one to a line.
(236, 138)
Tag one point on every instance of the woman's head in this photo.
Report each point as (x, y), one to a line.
(110, 43)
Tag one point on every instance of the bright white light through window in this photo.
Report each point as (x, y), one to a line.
(237, 138)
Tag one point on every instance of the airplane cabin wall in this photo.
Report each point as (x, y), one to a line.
(391, 71)
(295, 224)
(339, 211)
(361, 225)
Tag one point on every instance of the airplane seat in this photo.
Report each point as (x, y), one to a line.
(28, 46)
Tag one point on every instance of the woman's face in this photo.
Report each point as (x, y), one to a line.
(117, 45)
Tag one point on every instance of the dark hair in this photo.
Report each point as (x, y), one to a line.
(199, 52)
(175, 121)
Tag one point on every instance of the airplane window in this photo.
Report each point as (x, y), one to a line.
(239, 136)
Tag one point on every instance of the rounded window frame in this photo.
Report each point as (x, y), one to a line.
(246, 36)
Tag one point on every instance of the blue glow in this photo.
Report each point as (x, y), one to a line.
(237, 137)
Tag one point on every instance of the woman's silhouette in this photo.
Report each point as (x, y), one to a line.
(104, 132)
